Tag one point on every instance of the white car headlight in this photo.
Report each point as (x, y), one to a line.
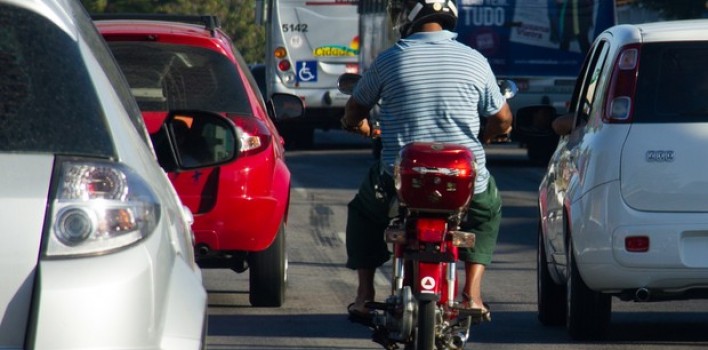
(99, 206)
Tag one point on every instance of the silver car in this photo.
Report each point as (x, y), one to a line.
(97, 249)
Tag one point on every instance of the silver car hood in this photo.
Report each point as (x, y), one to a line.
(24, 185)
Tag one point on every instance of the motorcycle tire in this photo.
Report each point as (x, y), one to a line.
(425, 332)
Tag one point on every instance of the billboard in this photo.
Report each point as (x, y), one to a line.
(533, 38)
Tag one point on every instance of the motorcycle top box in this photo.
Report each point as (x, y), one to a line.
(435, 177)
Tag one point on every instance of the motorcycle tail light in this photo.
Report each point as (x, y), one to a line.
(463, 239)
(431, 230)
(99, 206)
(254, 134)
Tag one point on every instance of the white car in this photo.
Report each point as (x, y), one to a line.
(97, 249)
(623, 205)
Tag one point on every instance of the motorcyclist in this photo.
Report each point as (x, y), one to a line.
(429, 87)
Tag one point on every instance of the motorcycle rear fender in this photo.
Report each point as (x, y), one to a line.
(430, 279)
(430, 253)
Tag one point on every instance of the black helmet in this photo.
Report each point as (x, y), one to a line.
(408, 15)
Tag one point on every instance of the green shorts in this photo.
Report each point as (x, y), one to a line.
(368, 217)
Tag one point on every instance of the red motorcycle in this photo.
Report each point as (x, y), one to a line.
(434, 184)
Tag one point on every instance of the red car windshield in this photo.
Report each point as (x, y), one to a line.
(168, 76)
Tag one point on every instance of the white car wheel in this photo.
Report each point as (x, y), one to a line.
(588, 311)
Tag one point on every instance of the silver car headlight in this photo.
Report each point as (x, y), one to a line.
(99, 207)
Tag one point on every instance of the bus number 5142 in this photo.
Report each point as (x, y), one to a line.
(300, 27)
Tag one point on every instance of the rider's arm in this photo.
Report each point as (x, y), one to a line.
(355, 118)
(498, 124)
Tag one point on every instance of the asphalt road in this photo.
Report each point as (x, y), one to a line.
(320, 287)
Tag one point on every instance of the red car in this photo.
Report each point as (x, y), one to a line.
(240, 209)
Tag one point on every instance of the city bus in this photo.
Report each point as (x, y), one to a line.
(309, 44)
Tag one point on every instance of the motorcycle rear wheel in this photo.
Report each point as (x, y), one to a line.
(425, 332)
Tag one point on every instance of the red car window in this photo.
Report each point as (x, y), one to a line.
(168, 76)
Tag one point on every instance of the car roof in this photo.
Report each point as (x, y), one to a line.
(140, 26)
(201, 31)
(679, 30)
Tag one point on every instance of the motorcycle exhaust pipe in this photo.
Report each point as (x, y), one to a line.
(459, 340)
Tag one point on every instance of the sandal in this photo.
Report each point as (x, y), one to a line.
(356, 316)
(486, 313)
(479, 315)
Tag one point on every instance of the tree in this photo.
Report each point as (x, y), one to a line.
(131, 6)
(237, 18)
(675, 9)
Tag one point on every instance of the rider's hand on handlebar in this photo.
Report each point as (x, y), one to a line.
(496, 136)
(361, 128)
(503, 138)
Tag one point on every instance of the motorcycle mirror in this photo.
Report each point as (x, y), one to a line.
(508, 88)
(347, 82)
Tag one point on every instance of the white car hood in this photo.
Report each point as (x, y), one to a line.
(24, 185)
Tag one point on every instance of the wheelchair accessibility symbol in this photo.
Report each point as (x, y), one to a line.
(306, 71)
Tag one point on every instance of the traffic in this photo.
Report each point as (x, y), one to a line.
(398, 174)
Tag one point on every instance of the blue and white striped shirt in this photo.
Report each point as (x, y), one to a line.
(431, 87)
